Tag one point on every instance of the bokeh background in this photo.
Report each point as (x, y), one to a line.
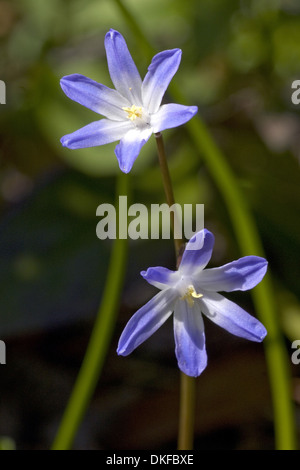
(239, 60)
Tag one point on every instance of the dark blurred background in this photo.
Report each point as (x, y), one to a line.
(239, 61)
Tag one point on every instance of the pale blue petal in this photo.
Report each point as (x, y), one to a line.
(189, 338)
(146, 321)
(122, 69)
(172, 115)
(160, 277)
(130, 146)
(242, 274)
(197, 253)
(231, 317)
(96, 133)
(93, 95)
(160, 72)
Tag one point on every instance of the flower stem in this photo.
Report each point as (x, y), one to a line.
(168, 188)
(187, 412)
(99, 342)
(187, 384)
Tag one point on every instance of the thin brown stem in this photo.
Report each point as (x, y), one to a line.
(168, 188)
(187, 412)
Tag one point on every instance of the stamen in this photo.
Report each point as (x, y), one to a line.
(133, 112)
(190, 295)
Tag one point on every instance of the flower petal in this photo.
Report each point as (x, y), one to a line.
(197, 253)
(96, 133)
(172, 115)
(146, 321)
(242, 274)
(160, 277)
(160, 72)
(129, 147)
(189, 338)
(231, 317)
(93, 95)
(122, 69)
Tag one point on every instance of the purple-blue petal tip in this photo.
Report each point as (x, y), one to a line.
(64, 141)
(65, 81)
(111, 33)
(194, 110)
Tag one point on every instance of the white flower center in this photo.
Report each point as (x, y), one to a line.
(190, 294)
(133, 112)
(137, 115)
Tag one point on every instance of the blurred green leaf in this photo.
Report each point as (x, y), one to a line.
(6, 443)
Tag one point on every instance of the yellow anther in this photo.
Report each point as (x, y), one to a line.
(190, 295)
(133, 112)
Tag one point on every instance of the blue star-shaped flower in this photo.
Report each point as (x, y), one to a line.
(190, 292)
(132, 111)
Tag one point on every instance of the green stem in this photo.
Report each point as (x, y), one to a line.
(186, 412)
(168, 188)
(99, 342)
(187, 384)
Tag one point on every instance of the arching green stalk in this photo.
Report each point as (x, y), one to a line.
(264, 299)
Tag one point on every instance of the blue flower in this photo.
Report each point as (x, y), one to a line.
(132, 111)
(190, 292)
